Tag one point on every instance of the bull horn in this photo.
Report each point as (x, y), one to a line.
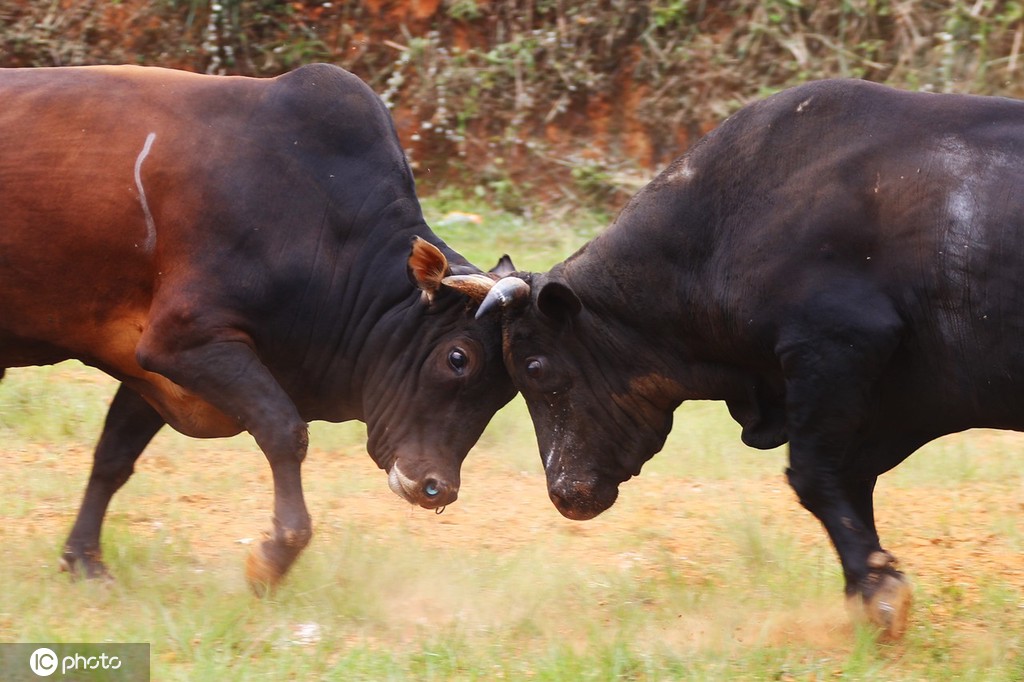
(475, 286)
(505, 292)
(400, 484)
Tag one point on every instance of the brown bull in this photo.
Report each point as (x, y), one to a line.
(242, 255)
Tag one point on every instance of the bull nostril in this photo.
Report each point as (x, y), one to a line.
(557, 497)
(431, 488)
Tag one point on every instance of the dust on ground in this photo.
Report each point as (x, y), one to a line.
(946, 535)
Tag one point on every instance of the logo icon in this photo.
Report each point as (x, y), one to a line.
(43, 662)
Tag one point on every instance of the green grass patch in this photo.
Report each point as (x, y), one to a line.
(54, 403)
(696, 574)
(483, 234)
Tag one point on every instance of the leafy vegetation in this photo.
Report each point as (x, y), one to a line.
(529, 100)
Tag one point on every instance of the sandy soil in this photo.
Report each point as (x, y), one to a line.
(957, 538)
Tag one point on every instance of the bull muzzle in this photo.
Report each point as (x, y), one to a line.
(430, 492)
(581, 500)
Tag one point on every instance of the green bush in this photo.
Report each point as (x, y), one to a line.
(531, 99)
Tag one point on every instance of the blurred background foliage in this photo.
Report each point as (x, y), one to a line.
(527, 101)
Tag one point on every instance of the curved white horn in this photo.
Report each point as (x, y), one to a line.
(401, 485)
(474, 286)
(505, 291)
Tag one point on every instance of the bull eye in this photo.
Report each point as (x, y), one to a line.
(534, 368)
(458, 360)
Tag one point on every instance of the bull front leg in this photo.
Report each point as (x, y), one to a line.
(227, 374)
(884, 595)
(292, 529)
(832, 356)
(876, 591)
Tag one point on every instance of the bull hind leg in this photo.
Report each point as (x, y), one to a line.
(130, 425)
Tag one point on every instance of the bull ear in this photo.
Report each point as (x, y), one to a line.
(558, 301)
(427, 267)
(504, 267)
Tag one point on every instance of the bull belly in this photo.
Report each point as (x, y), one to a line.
(111, 348)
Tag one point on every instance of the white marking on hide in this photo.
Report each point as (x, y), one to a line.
(562, 446)
(961, 166)
(803, 105)
(960, 203)
(970, 174)
(684, 172)
(150, 242)
(549, 456)
(954, 255)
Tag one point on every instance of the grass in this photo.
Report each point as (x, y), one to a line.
(388, 595)
(482, 234)
(706, 568)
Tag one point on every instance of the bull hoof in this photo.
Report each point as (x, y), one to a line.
(885, 604)
(889, 606)
(86, 565)
(270, 559)
(260, 572)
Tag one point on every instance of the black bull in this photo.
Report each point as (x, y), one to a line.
(842, 264)
(243, 255)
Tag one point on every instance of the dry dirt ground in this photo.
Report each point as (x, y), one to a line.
(947, 536)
